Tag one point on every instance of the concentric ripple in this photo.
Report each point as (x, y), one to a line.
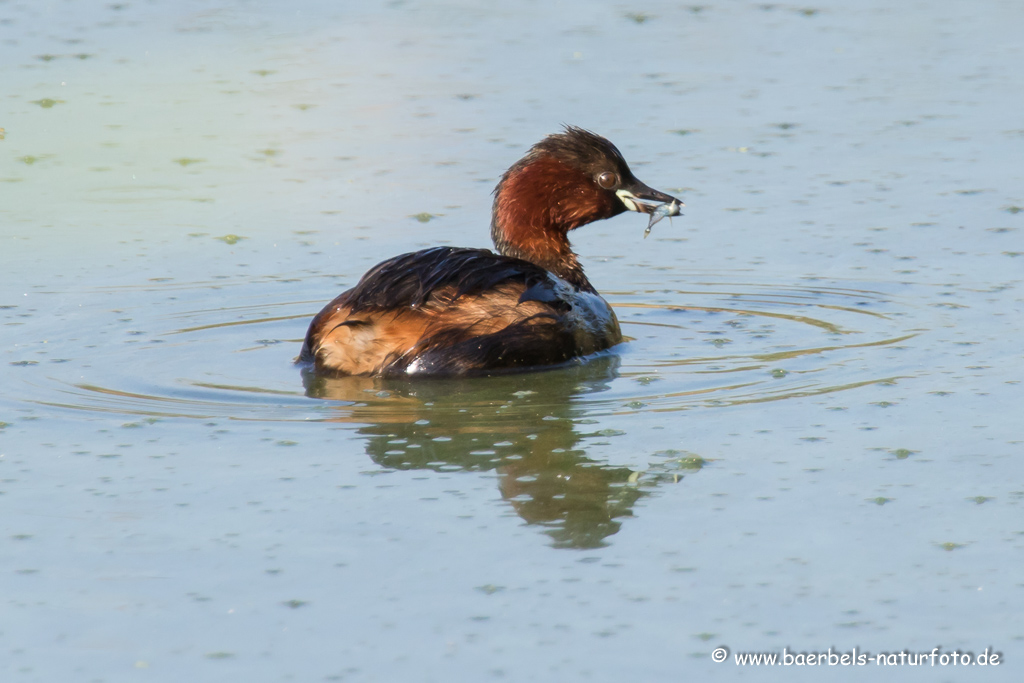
(713, 344)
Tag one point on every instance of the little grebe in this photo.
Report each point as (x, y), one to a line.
(448, 311)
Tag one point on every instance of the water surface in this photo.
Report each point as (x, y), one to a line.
(810, 440)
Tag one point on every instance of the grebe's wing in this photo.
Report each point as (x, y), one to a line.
(444, 311)
(443, 274)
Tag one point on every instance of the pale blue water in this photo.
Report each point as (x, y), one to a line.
(812, 439)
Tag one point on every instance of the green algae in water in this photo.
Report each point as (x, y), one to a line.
(903, 453)
(231, 239)
(638, 17)
(691, 462)
(950, 546)
(683, 460)
(186, 161)
(46, 102)
(424, 217)
(880, 500)
(30, 159)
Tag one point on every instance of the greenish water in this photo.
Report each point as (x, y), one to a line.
(811, 439)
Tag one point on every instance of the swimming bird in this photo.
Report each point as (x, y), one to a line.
(451, 311)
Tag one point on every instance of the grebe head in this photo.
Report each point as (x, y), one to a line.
(566, 180)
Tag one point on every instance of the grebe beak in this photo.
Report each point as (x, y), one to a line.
(642, 199)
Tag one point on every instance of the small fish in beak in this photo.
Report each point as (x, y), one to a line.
(660, 211)
(642, 199)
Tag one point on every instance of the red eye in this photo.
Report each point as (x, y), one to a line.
(607, 180)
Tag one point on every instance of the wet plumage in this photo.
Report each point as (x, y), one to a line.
(451, 311)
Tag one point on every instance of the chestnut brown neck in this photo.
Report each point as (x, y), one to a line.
(537, 202)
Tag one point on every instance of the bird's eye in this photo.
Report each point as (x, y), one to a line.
(607, 180)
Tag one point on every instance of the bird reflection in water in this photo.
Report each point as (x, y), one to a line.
(526, 427)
